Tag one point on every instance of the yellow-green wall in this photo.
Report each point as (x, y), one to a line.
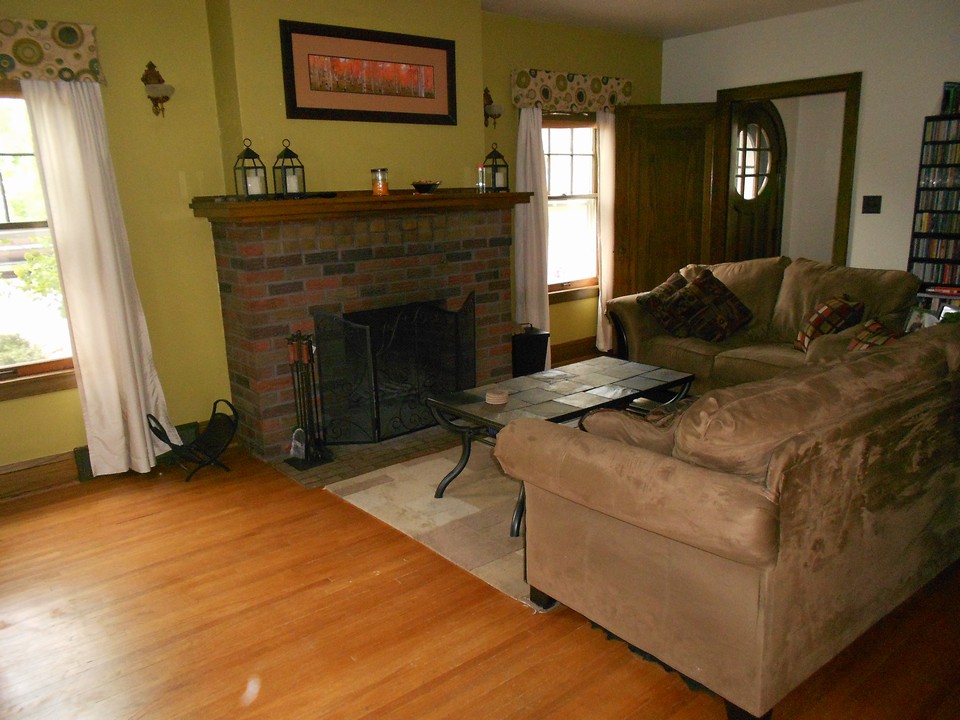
(160, 164)
(223, 58)
(510, 43)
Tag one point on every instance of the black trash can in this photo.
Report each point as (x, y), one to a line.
(530, 351)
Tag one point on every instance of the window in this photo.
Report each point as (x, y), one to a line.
(753, 161)
(34, 337)
(570, 149)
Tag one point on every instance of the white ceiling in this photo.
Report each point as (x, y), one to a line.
(655, 18)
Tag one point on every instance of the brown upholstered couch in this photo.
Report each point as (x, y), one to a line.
(779, 293)
(751, 540)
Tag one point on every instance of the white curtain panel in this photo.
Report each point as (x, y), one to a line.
(114, 362)
(606, 149)
(530, 225)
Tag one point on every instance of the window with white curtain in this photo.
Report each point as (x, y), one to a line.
(34, 336)
(570, 152)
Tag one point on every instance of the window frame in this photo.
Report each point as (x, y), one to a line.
(43, 376)
(576, 120)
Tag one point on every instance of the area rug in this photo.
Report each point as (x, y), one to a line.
(469, 525)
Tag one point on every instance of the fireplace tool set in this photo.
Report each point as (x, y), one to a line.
(307, 447)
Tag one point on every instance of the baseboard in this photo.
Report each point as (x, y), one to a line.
(81, 455)
(574, 351)
(31, 476)
(37, 475)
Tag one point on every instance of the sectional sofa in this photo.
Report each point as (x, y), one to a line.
(749, 537)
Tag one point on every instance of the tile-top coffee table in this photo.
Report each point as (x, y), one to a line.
(559, 395)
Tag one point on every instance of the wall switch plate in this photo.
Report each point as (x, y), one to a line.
(871, 204)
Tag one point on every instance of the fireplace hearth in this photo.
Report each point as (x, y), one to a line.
(377, 367)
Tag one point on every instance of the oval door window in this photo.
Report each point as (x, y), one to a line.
(753, 161)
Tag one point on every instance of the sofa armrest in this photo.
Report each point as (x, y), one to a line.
(632, 323)
(721, 513)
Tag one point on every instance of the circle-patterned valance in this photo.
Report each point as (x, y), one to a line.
(568, 92)
(45, 50)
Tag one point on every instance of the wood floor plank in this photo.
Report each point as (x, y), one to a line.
(244, 595)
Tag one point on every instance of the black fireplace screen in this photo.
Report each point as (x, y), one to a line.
(377, 367)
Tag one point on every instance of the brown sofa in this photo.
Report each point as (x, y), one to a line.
(779, 293)
(773, 522)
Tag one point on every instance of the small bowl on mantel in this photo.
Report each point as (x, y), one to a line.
(425, 187)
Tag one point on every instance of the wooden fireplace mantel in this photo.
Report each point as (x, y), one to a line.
(348, 203)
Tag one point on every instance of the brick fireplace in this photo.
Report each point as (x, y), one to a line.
(279, 261)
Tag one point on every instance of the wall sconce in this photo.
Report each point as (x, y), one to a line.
(157, 89)
(490, 109)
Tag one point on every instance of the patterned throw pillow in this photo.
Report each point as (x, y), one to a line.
(832, 316)
(656, 301)
(711, 311)
(874, 333)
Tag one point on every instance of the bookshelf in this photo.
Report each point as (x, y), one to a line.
(935, 240)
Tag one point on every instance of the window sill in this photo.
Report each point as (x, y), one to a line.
(573, 294)
(37, 384)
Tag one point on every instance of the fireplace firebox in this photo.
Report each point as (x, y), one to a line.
(377, 367)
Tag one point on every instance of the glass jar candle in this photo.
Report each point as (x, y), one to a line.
(379, 178)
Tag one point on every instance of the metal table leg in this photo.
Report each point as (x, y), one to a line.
(518, 511)
(468, 435)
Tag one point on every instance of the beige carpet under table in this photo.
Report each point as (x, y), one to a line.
(470, 525)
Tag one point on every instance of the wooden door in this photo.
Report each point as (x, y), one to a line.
(664, 162)
(757, 172)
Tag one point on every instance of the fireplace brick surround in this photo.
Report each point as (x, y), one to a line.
(279, 261)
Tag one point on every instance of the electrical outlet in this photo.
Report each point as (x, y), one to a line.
(871, 204)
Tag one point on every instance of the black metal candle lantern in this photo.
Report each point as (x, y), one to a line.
(249, 173)
(288, 172)
(496, 172)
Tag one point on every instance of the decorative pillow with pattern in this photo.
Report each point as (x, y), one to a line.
(831, 316)
(709, 309)
(656, 302)
(874, 333)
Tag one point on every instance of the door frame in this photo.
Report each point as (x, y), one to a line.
(849, 84)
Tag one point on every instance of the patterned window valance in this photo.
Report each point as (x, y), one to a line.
(43, 50)
(568, 92)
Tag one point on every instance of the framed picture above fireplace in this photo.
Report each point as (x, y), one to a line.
(343, 73)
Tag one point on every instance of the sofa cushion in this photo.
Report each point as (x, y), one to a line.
(709, 310)
(830, 316)
(807, 283)
(872, 334)
(755, 282)
(632, 429)
(657, 301)
(690, 355)
(736, 429)
(754, 362)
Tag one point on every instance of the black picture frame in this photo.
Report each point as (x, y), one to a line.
(332, 72)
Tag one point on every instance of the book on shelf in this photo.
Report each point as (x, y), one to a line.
(943, 290)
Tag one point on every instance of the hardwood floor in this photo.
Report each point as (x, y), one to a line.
(244, 595)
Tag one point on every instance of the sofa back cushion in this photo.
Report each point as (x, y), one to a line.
(808, 283)
(755, 282)
(736, 429)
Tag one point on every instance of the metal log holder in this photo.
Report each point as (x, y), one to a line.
(309, 431)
